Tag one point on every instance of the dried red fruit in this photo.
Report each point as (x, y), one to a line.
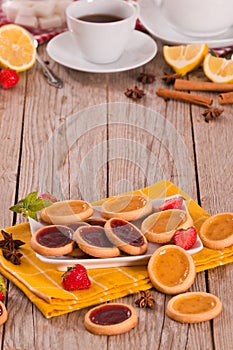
(174, 203)
(185, 238)
(76, 278)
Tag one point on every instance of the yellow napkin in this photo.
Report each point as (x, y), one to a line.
(41, 282)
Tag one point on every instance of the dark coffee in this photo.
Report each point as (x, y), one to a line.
(100, 18)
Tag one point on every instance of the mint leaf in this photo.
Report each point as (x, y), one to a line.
(30, 205)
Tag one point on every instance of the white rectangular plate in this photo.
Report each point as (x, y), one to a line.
(62, 262)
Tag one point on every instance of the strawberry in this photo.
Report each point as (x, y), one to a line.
(185, 238)
(48, 197)
(174, 203)
(3, 289)
(8, 78)
(76, 278)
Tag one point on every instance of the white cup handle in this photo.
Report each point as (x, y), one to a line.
(135, 4)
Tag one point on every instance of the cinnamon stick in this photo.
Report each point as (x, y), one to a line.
(183, 84)
(186, 97)
(225, 98)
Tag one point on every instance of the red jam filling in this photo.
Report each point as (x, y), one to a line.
(95, 236)
(96, 222)
(110, 314)
(127, 233)
(54, 236)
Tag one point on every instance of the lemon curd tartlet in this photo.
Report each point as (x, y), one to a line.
(217, 231)
(127, 207)
(160, 227)
(193, 307)
(66, 212)
(171, 269)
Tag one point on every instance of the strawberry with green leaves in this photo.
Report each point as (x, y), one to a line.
(76, 278)
(32, 203)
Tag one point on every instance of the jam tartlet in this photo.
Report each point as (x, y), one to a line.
(66, 212)
(53, 240)
(127, 207)
(3, 313)
(111, 319)
(126, 236)
(193, 307)
(171, 269)
(96, 221)
(93, 241)
(217, 231)
(160, 227)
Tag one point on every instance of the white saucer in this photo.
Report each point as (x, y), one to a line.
(140, 50)
(156, 24)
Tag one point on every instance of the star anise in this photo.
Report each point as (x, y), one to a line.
(146, 78)
(7, 239)
(135, 93)
(170, 78)
(145, 300)
(212, 113)
(9, 248)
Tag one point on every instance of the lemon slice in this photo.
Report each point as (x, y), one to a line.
(17, 50)
(218, 69)
(185, 58)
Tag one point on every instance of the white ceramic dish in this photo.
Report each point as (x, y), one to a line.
(140, 50)
(62, 262)
(152, 19)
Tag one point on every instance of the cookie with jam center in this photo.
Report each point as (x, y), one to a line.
(3, 313)
(217, 231)
(111, 319)
(193, 307)
(126, 236)
(93, 241)
(127, 207)
(171, 269)
(53, 240)
(160, 227)
(66, 212)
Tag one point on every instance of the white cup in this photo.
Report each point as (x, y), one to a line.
(102, 42)
(201, 18)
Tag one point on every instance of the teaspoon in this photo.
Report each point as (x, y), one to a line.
(48, 73)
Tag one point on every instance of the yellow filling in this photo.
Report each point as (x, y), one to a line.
(194, 304)
(220, 227)
(171, 268)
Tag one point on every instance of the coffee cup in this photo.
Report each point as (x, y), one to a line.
(101, 29)
(198, 18)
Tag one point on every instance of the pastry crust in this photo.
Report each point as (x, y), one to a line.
(127, 207)
(171, 269)
(53, 250)
(93, 241)
(66, 212)
(126, 236)
(193, 307)
(160, 227)
(111, 329)
(217, 231)
(3, 313)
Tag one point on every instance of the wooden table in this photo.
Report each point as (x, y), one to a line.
(150, 140)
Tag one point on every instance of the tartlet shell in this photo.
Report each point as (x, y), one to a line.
(98, 252)
(48, 251)
(215, 244)
(131, 215)
(4, 315)
(48, 215)
(122, 245)
(195, 317)
(113, 329)
(164, 237)
(182, 287)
